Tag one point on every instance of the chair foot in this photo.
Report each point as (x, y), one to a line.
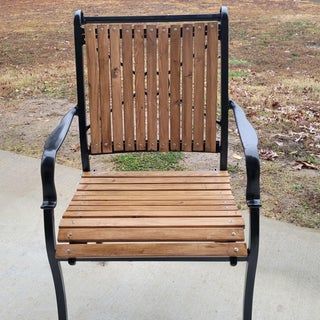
(55, 264)
(59, 288)
(249, 287)
(251, 264)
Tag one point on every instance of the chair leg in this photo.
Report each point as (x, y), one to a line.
(55, 264)
(251, 263)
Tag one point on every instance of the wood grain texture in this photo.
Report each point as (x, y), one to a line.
(104, 76)
(163, 51)
(127, 55)
(175, 56)
(139, 87)
(152, 121)
(148, 213)
(116, 87)
(187, 62)
(199, 63)
(151, 249)
(93, 83)
(212, 70)
(150, 234)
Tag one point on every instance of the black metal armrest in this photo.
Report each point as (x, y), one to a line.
(51, 147)
(249, 141)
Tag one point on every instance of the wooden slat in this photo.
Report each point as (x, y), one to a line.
(175, 53)
(104, 76)
(128, 87)
(163, 89)
(152, 222)
(161, 193)
(153, 249)
(163, 213)
(199, 52)
(156, 174)
(154, 180)
(93, 82)
(150, 234)
(152, 87)
(165, 204)
(158, 186)
(139, 87)
(212, 67)
(187, 60)
(116, 88)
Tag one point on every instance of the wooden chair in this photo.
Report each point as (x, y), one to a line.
(152, 86)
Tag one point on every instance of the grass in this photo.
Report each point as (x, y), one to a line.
(238, 74)
(148, 161)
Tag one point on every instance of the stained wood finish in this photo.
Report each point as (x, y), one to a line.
(163, 90)
(187, 52)
(151, 249)
(116, 88)
(104, 76)
(130, 215)
(139, 87)
(150, 234)
(212, 67)
(175, 56)
(152, 87)
(199, 56)
(93, 84)
(128, 87)
(152, 123)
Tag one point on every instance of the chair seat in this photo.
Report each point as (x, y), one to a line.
(152, 214)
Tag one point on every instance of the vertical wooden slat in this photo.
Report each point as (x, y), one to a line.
(199, 51)
(128, 87)
(175, 49)
(104, 75)
(187, 53)
(212, 66)
(139, 87)
(93, 82)
(116, 88)
(163, 90)
(152, 87)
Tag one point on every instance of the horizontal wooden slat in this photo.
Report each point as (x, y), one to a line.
(149, 213)
(145, 197)
(88, 205)
(153, 249)
(152, 222)
(155, 180)
(151, 234)
(158, 186)
(156, 174)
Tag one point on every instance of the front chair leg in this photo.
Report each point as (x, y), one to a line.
(55, 264)
(251, 263)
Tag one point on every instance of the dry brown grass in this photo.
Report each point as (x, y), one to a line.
(274, 58)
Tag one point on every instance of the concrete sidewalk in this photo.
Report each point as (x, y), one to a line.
(287, 285)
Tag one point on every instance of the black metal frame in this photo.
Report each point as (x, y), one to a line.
(246, 132)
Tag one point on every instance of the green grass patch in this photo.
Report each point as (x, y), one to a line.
(148, 161)
(238, 62)
(238, 74)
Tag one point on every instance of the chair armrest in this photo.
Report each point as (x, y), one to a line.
(249, 142)
(51, 147)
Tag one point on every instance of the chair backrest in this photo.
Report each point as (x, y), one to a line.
(152, 87)
(152, 82)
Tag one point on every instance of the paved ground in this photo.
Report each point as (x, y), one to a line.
(287, 286)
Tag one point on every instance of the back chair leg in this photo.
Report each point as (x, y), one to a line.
(251, 263)
(55, 264)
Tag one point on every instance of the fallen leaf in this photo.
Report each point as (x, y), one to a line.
(267, 154)
(236, 156)
(306, 165)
